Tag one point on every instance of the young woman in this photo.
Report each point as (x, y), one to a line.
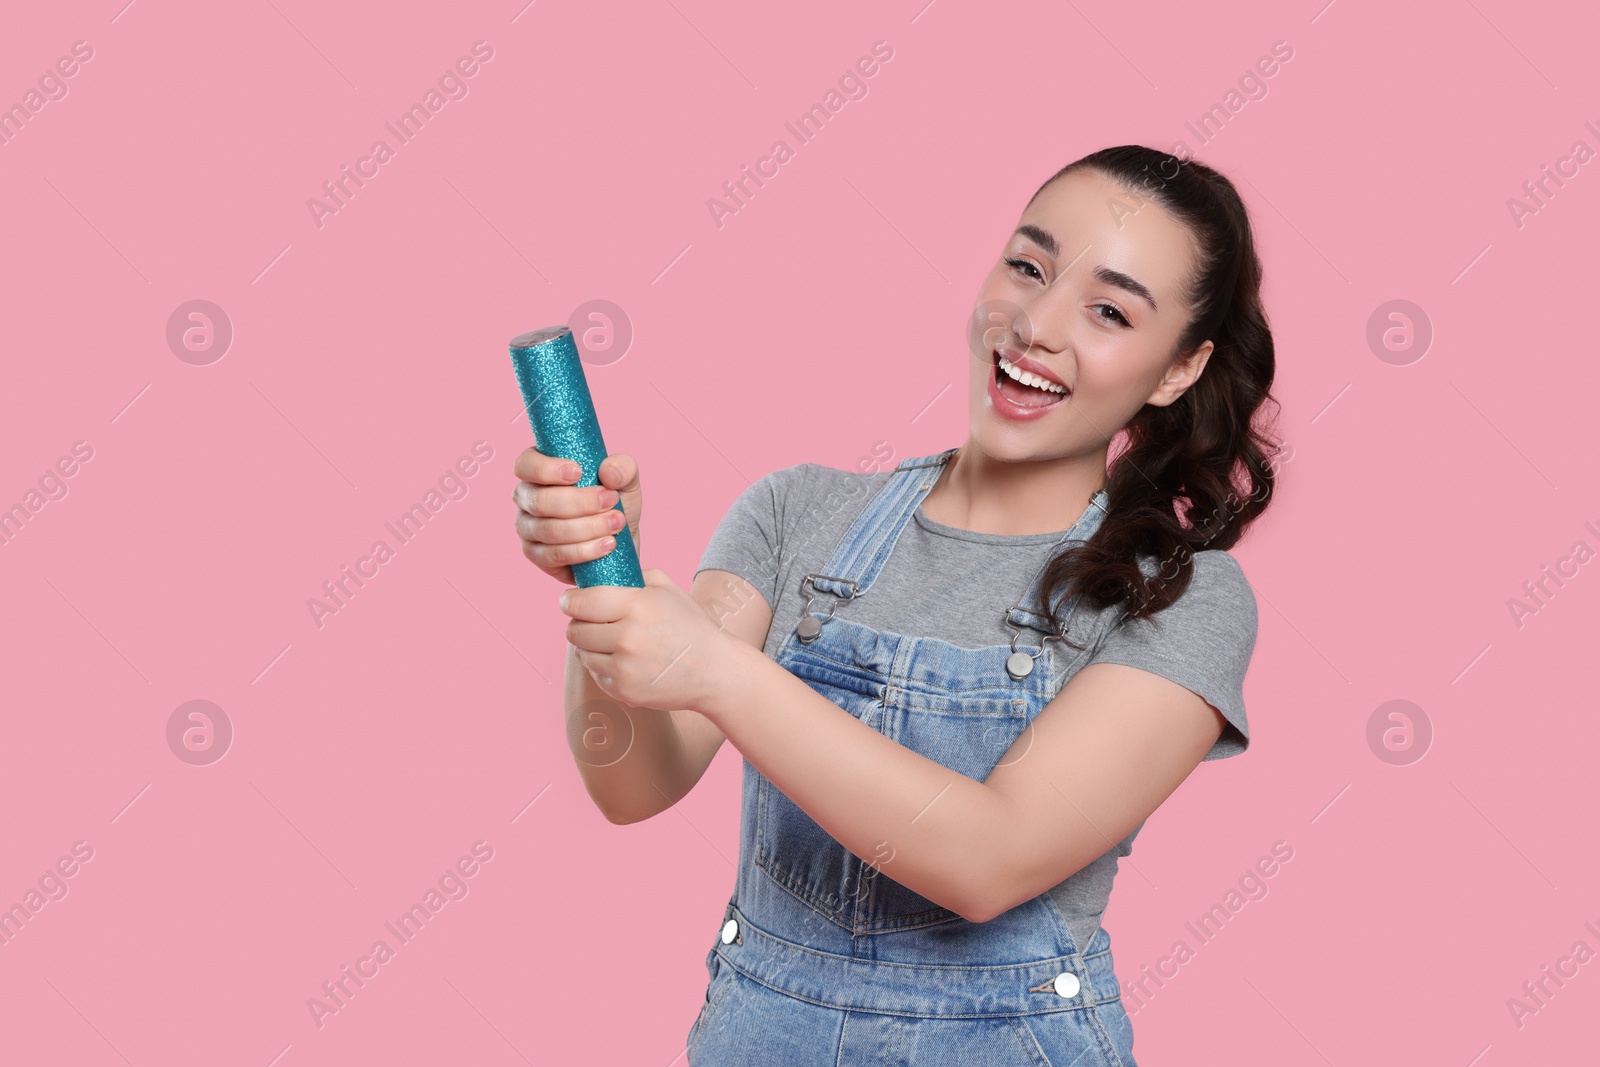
(962, 685)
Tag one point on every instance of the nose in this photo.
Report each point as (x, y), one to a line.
(1047, 319)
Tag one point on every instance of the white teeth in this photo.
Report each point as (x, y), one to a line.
(1029, 378)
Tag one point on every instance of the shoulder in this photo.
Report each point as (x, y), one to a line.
(1217, 578)
(1212, 621)
(801, 476)
(819, 475)
(1218, 588)
(1203, 640)
(799, 492)
(802, 500)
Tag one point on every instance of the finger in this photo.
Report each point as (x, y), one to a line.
(552, 556)
(561, 574)
(534, 466)
(620, 472)
(562, 501)
(598, 637)
(598, 603)
(567, 531)
(598, 664)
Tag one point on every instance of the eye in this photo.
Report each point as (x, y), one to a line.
(1024, 265)
(1117, 311)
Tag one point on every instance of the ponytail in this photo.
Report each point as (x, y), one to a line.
(1194, 474)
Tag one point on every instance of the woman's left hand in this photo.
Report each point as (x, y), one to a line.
(652, 647)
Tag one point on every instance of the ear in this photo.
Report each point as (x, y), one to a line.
(1180, 376)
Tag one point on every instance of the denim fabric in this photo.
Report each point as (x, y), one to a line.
(822, 958)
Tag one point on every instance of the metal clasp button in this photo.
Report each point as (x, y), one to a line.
(810, 625)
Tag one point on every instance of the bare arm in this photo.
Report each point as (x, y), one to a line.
(1094, 764)
(634, 761)
(669, 750)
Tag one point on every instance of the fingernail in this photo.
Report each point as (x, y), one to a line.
(572, 471)
(608, 498)
(563, 601)
(608, 543)
(616, 519)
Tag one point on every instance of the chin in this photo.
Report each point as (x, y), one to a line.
(1014, 443)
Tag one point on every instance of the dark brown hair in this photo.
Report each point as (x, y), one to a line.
(1197, 472)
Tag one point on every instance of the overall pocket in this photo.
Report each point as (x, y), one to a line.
(963, 712)
(1079, 1037)
(967, 732)
(797, 853)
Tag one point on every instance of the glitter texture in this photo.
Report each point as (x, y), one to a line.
(561, 412)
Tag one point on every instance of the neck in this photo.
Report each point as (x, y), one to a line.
(983, 494)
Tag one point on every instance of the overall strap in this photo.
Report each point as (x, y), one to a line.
(864, 548)
(1030, 612)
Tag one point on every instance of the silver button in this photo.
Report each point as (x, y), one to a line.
(1019, 665)
(730, 930)
(1066, 984)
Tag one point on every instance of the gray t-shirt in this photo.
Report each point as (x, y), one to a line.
(956, 585)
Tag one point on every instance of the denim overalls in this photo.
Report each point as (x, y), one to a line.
(822, 959)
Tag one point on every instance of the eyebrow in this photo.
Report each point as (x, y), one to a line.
(1045, 240)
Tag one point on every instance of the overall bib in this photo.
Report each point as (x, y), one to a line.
(822, 959)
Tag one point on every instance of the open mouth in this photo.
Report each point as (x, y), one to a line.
(1024, 388)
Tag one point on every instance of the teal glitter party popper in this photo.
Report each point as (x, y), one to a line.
(561, 412)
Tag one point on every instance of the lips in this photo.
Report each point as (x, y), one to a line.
(1032, 366)
(1020, 401)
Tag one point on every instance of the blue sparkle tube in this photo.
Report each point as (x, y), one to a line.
(556, 396)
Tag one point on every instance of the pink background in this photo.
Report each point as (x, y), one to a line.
(370, 353)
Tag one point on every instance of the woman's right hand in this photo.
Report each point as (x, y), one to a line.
(560, 523)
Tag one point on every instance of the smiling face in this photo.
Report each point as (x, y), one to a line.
(1086, 303)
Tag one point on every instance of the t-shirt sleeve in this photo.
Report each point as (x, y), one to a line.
(1203, 641)
(749, 539)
